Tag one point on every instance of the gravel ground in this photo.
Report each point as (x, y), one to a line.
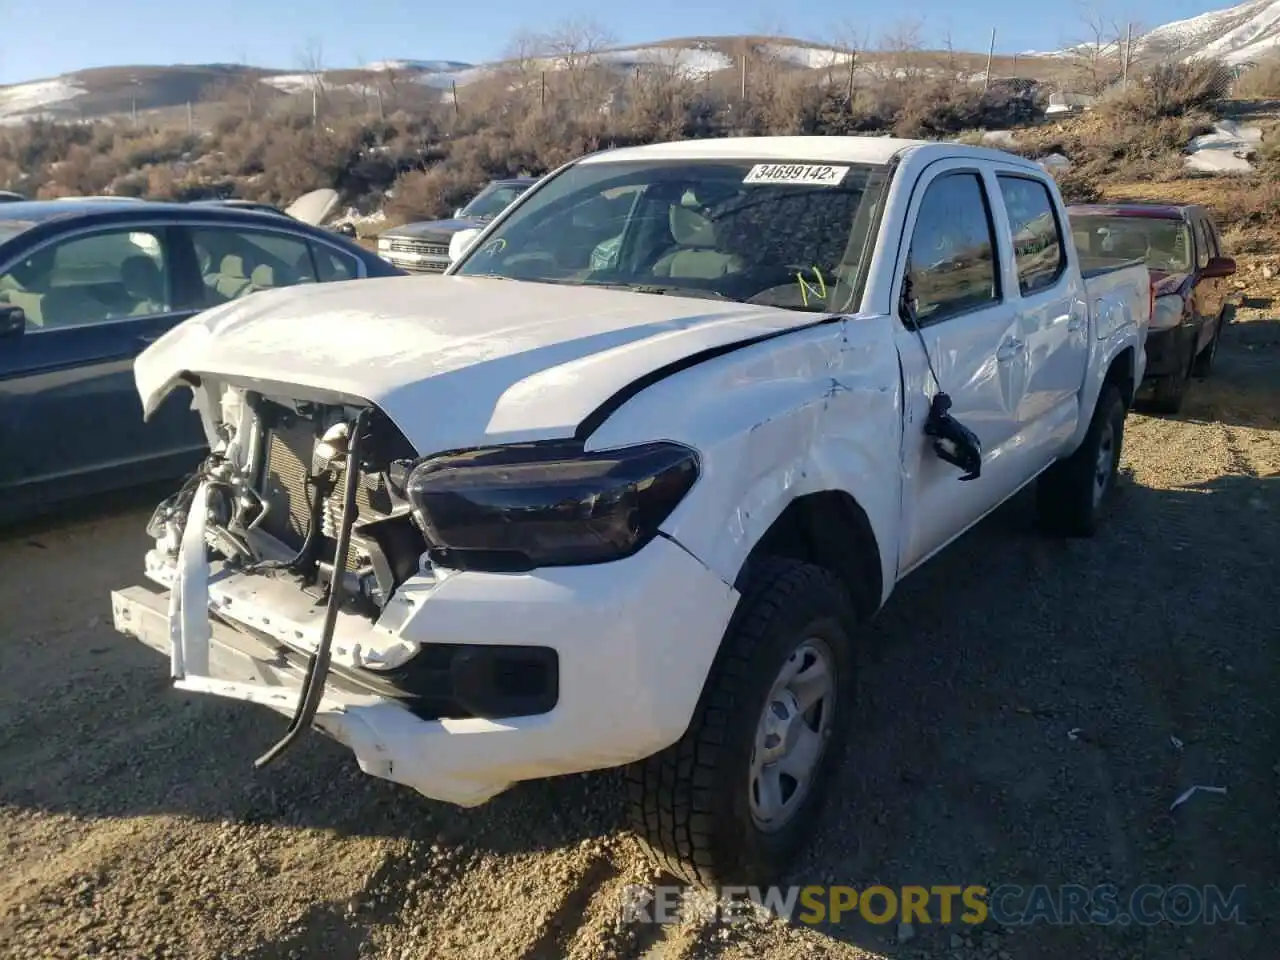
(133, 825)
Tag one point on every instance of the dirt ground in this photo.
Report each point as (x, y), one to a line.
(134, 826)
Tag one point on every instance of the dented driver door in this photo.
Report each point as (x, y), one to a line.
(970, 337)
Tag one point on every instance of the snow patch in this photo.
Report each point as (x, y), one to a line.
(1054, 162)
(25, 100)
(418, 66)
(683, 61)
(811, 58)
(1227, 150)
(999, 138)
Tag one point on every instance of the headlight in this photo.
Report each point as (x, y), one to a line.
(384, 243)
(531, 505)
(1167, 313)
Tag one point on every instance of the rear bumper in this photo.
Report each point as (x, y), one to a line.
(634, 640)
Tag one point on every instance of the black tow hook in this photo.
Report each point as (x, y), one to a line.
(318, 662)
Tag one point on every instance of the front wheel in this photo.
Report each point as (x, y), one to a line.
(1072, 494)
(737, 796)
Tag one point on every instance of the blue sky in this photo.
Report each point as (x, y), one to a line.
(42, 40)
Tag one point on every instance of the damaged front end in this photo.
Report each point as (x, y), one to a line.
(299, 492)
(315, 534)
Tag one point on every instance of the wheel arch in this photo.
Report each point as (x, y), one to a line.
(829, 529)
(1122, 373)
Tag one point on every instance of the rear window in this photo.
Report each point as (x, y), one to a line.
(1036, 235)
(1163, 245)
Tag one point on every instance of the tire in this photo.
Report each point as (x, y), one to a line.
(694, 805)
(1170, 391)
(1072, 495)
(1202, 366)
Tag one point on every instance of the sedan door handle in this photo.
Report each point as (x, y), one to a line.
(1009, 349)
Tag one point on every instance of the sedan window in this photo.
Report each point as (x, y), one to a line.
(237, 261)
(90, 279)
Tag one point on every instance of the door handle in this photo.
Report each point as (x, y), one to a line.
(147, 341)
(1010, 349)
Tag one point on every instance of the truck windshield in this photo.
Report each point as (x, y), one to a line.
(493, 199)
(788, 234)
(1162, 244)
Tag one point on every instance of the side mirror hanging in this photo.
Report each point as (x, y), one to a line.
(952, 440)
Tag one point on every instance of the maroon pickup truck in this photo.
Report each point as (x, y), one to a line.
(1183, 252)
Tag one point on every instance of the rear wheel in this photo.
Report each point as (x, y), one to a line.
(1071, 496)
(737, 796)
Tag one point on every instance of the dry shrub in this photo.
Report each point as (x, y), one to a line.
(1170, 90)
(940, 108)
(1260, 82)
(432, 194)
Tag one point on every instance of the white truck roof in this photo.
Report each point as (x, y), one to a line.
(870, 150)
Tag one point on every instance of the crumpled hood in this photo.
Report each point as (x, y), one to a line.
(435, 229)
(453, 361)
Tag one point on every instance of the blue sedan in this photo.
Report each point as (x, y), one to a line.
(84, 288)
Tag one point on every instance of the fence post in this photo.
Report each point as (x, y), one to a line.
(986, 83)
(1128, 52)
(453, 86)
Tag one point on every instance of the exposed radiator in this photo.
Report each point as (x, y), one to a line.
(289, 450)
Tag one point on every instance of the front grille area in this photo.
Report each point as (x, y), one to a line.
(425, 248)
(418, 256)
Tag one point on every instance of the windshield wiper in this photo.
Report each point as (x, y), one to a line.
(664, 288)
(656, 288)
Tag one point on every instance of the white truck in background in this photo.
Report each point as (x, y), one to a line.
(621, 486)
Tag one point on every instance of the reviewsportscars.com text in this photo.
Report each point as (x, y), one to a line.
(1007, 905)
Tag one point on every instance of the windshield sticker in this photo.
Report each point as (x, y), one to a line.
(821, 175)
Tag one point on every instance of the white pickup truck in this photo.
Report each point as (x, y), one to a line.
(622, 486)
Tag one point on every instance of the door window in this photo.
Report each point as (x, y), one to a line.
(92, 279)
(952, 263)
(332, 266)
(235, 262)
(1037, 234)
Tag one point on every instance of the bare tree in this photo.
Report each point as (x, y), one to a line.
(575, 45)
(573, 50)
(1096, 59)
(311, 60)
